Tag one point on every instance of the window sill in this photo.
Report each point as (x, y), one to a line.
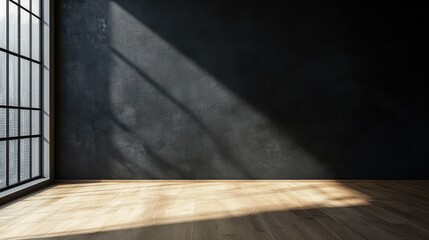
(21, 190)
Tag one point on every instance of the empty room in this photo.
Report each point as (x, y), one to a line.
(213, 120)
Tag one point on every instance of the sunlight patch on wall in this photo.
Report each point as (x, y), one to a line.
(169, 114)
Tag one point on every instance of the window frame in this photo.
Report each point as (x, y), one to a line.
(46, 104)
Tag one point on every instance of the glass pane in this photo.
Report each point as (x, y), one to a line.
(3, 78)
(25, 33)
(45, 89)
(2, 122)
(35, 157)
(25, 123)
(35, 85)
(3, 24)
(35, 122)
(13, 161)
(25, 83)
(26, 4)
(13, 80)
(45, 11)
(2, 164)
(13, 27)
(35, 7)
(35, 38)
(13, 122)
(25, 159)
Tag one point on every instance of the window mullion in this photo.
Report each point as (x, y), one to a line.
(19, 95)
(41, 55)
(7, 94)
(31, 92)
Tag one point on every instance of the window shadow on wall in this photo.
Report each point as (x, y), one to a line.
(344, 82)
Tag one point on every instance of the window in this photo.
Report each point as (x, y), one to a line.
(22, 109)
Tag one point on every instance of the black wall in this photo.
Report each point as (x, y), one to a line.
(235, 89)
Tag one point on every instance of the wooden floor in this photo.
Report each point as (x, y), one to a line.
(259, 210)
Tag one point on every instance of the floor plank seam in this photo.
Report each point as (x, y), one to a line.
(266, 226)
(350, 231)
(338, 222)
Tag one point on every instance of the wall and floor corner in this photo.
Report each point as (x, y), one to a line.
(232, 89)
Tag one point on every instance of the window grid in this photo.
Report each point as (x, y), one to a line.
(23, 174)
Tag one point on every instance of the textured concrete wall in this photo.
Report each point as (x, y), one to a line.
(231, 89)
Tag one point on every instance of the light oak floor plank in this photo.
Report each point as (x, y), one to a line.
(221, 210)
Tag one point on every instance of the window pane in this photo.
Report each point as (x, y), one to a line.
(2, 122)
(3, 24)
(35, 82)
(35, 38)
(13, 80)
(45, 11)
(13, 122)
(35, 157)
(3, 78)
(13, 161)
(25, 83)
(35, 122)
(35, 7)
(45, 89)
(25, 123)
(26, 4)
(13, 27)
(24, 155)
(25, 33)
(2, 164)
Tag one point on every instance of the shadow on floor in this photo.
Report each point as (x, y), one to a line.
(348, 223)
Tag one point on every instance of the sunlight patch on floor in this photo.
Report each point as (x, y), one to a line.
(80, 208)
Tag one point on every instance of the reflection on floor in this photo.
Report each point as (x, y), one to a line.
(221, 210)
